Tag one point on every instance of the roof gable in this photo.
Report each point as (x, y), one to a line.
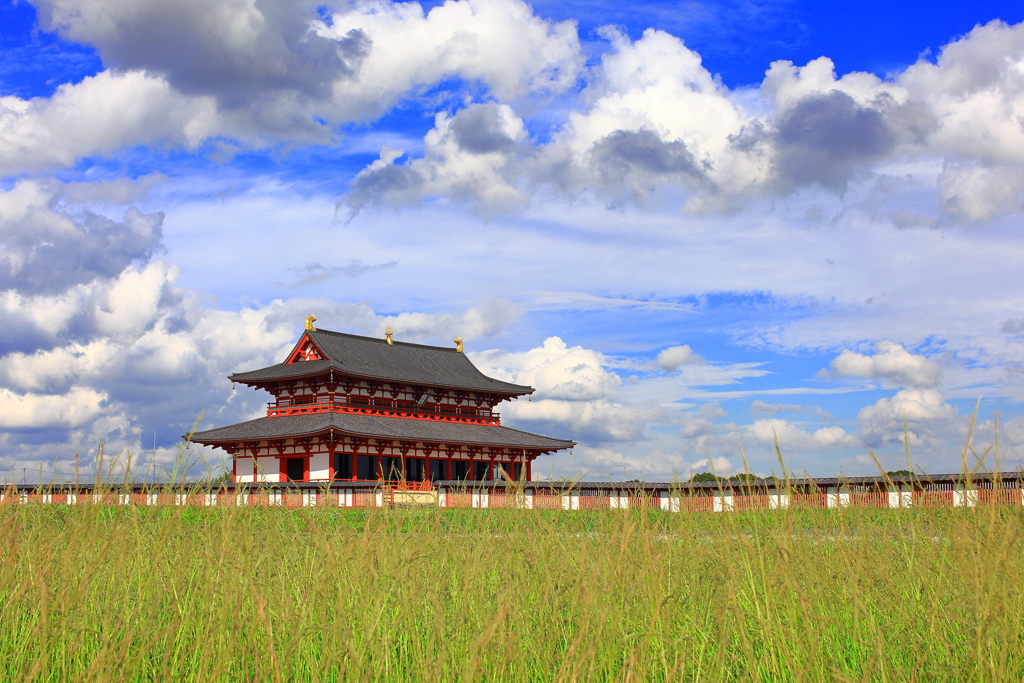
(305, 350)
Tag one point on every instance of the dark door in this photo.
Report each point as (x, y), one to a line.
(392, 469)
(295, 469)
(414, 469)
(482, 470)
(367, 468)
(438, 470)
(341, 466)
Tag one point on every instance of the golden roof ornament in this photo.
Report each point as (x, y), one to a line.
(458, 344)
(387, 336)
(309, 323)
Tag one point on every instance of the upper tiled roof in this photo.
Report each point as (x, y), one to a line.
(286, 426)
(371, 358)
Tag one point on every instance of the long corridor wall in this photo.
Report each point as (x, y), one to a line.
(1005, 488)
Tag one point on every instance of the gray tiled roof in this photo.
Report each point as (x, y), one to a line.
(370, 358)
(285, 426)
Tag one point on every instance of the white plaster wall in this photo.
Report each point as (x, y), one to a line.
(269, 469)
(244, 470)
(968, 498)
(319, 467)
(906, 496)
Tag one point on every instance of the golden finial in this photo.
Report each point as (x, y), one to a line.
(309, 323)
(387, 335)
(458, 344)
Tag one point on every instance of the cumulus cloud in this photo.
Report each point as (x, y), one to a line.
(45, 249)
(268, 73)
(891, 363)
(653, 117)
(675, 357)
(557, 371)
(72, 409)
(468, 157)
(977, 193)
(650, 115)
(99, 115)
(926, 412)
(792, 438)
(720, 466)
(500, 43)
(233, 51)
(574, 391)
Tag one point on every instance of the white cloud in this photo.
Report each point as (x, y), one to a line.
(497, 42)
(975, 91)
(71, 409)
(720, 466)
(674, 357)
(978, 193)
(891, 363)
(792, 438)
(575, 392)
(466, 157)
(261, 74)
(100, 115)
(653, 117)
(485, 320)
(557, 371)
(928, 418)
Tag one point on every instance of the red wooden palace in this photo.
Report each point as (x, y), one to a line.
(365, 409)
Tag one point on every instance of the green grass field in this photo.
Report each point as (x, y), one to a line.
(171, 594)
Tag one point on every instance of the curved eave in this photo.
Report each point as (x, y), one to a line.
(371, 426)
(253, 379)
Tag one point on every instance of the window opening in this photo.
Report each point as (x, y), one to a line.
(295, 469)
(438, 470)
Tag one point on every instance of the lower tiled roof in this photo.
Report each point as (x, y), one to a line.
(286, 426)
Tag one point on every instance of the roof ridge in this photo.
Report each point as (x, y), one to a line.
(395, 342)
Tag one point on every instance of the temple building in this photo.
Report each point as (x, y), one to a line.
(366, 409)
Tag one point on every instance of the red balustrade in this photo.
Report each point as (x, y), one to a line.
(388, 408)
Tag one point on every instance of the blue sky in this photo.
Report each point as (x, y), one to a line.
(694, 227)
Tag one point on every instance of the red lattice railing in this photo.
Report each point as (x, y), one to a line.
(388, 408)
